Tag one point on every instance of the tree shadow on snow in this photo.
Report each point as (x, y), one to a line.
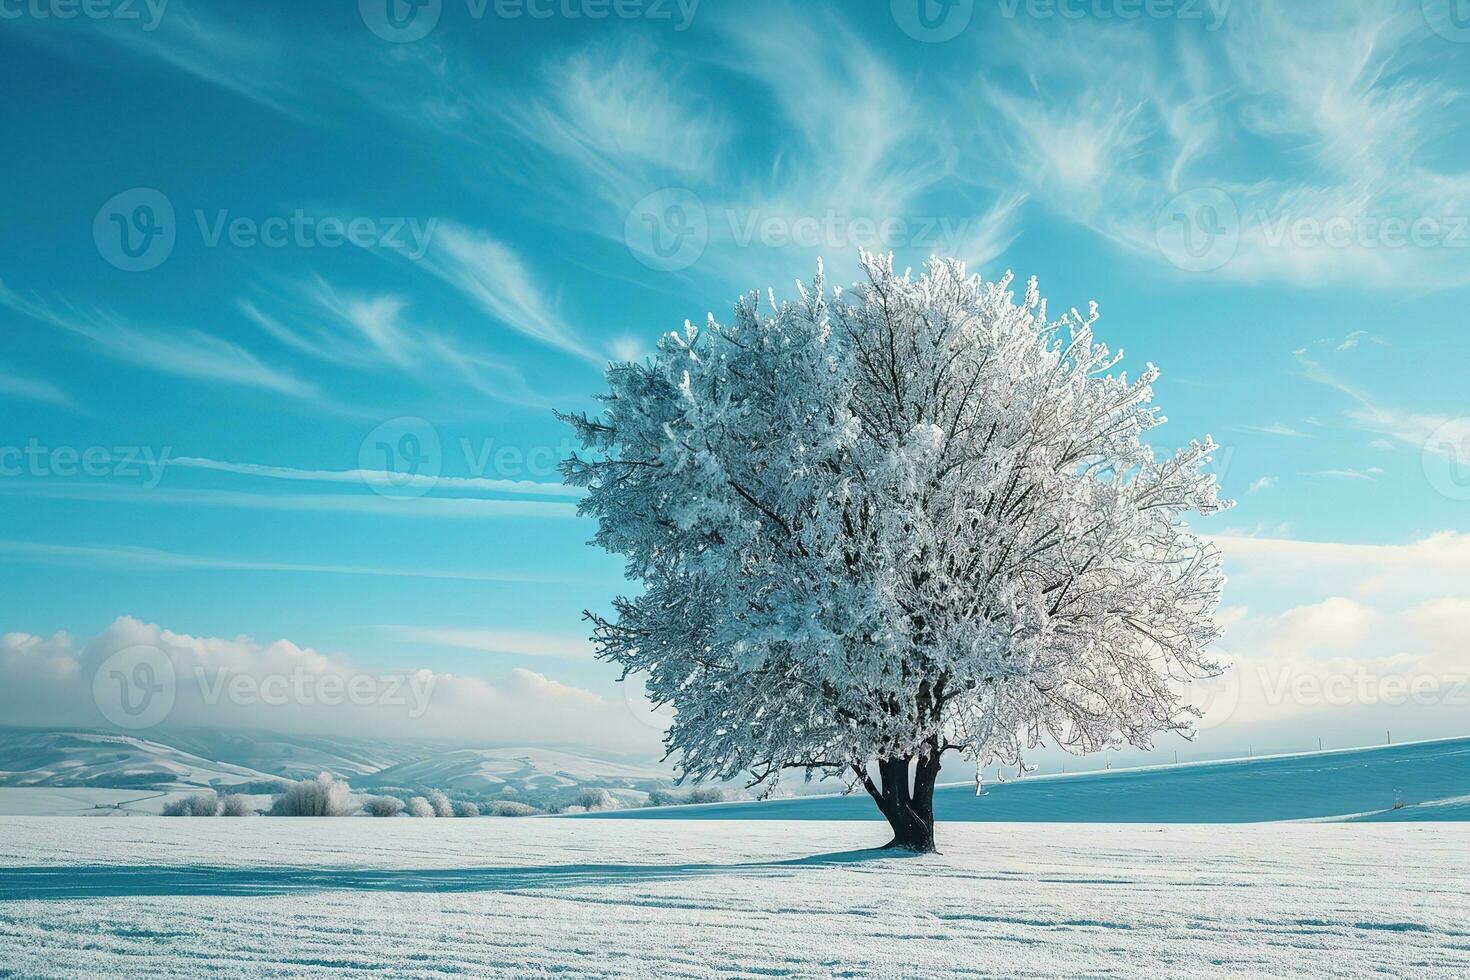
(58, 882)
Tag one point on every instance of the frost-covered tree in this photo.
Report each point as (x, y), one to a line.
(234, 805)
(596, 799)
(324, 796)
(382, 806)
(882, 525)
(440, 803)
(196, 805)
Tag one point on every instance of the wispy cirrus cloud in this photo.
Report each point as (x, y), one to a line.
(395, 482)
(191, 354)
(374, 504)
(492, 275)
(379, 333)
(1274, 429)
(31, 388)
(1437, 434)
(1342, 107)
(135, 559)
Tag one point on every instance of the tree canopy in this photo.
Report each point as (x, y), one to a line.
(885, 523)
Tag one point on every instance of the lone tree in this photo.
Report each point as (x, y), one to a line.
(884, 525)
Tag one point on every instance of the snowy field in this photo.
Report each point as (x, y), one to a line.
(536, 897)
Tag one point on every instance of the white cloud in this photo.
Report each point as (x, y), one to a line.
(280, 686)
(1389, 648)
(1434, 565)
(1264, 483)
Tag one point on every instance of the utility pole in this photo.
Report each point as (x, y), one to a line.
(1319, 743)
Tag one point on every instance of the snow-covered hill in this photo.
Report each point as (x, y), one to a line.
(256, 762)
(1425, 780)
(517, 770)
(95, 759)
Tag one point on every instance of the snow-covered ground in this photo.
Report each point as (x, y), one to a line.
(705, 898)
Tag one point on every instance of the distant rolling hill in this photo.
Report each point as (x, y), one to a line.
(256, 762)
(97, 759)
(1427, 780)
(489, 772)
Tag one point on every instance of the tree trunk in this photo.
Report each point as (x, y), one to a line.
(908, 805)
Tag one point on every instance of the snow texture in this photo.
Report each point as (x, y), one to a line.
(599, 898)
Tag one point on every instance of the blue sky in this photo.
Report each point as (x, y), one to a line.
(275, 244)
